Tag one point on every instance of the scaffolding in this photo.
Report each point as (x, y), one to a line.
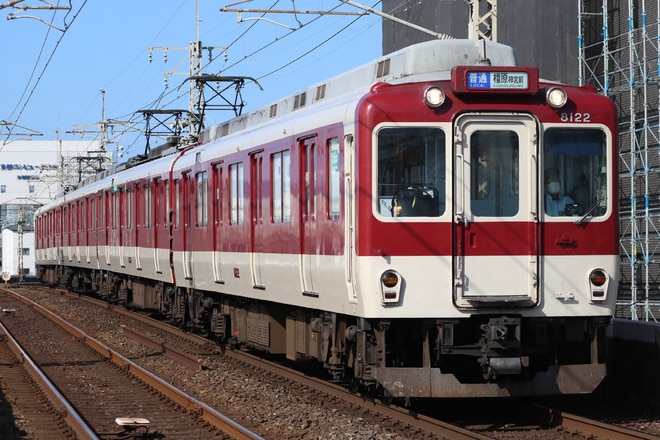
(619, 54)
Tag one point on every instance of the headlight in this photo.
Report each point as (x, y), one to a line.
(556, 97)
(434, 96)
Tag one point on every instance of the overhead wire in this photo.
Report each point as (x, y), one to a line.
(43, 70)
(162, 101)
(265, 46)
(159, 104)
(34, 69)
(128, 119)
(159, 101)
(136, 58)
(315, 47)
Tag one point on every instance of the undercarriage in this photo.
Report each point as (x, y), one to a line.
(480, 356)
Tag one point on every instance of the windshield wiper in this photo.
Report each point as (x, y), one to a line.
(587, 213)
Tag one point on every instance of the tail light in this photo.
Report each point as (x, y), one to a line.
(598, 282)
(390, 287)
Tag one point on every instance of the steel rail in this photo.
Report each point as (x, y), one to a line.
(593, 428)
(589, 427)
(186, 359)
(403, 415)
(163, 326)
(59, 402)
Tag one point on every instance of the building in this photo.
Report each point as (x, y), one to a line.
(543, 34)
(619, 55)
(14, 262)
(32, 173)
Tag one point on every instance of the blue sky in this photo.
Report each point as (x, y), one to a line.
(50, 82)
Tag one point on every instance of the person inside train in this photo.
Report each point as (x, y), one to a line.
(555, 201)
(580, 192)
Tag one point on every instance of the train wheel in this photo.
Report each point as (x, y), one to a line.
(354, 386)
(387, 397)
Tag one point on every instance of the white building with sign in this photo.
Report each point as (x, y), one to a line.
(32, 173)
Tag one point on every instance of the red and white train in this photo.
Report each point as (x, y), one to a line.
(393, 223)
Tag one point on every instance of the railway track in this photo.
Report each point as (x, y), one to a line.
(31, 407)
(186, 343)
(113, 395)
(162, 338)
(571, 423)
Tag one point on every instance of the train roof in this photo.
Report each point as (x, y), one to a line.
(429, 60)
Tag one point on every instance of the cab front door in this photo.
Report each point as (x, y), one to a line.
(495, 211)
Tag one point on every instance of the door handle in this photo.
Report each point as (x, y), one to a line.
(459, 190)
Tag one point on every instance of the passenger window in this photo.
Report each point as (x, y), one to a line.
(115, 210)
(334, 178)
(148, 214)
(177, 204)
(236, 194)
(281, 187)
(202, 199)
(127, 209)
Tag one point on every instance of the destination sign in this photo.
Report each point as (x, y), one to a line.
(497, 80)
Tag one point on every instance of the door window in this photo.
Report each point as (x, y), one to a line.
(494, 173)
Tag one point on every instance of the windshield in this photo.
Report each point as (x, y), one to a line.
(575, 171)
(411, 172)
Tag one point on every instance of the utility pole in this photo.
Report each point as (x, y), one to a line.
(19, 231)
(103, 132)
(483, 20)
(94, 161)
(195, 50)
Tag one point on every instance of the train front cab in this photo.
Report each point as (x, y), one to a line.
(499, 296)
